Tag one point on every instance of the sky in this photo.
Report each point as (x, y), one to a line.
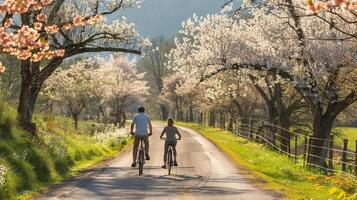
(164, 17)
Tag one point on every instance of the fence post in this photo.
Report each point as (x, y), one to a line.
(330, 155)
(250, 135)
(308, 143)
(356, 158)
(261, 134)
(305, 150)
(296, 147)
(258, 132)
(344, 155)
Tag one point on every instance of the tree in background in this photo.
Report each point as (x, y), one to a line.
(105, 83)
(169, 95)
(154, 65)
(10, 79)
(42, 34)
(119, 80)
(72, 87)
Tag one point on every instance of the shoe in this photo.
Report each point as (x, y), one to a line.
(147, 157)
(164, 166)
(175, 163)
(133, 164)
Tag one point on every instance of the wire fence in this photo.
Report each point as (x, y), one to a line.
(299, 146)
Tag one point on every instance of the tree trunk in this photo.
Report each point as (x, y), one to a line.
(222, 121)
(231, 119)
(187, 116)
(119, 112)
(212, 119)
(191, 114)
(104, 114)
(164, 112)
(272, 118)
(27, 100)
(319, 142)
(32, 80)
(200, 121)
(123, 119)
(179, 111)
(75, 118)
(284, 134)
(119, 118)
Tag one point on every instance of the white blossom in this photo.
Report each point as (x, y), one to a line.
(3, 171)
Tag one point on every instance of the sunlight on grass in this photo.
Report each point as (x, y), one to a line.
(348, 133)
(59, 152)
(280, 172)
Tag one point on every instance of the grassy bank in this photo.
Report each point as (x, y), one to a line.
(279, 172)
(29, 163)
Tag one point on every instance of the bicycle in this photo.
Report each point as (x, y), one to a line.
(169, 162)
(141, 157)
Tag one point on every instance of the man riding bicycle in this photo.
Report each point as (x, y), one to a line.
(142, 123)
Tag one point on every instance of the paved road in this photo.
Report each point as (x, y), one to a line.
(203, 173)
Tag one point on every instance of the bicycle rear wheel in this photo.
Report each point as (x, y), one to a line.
(169, 161)
(141, 162)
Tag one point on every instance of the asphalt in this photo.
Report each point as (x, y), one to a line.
(204, 172)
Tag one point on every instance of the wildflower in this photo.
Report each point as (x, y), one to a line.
(3, 171)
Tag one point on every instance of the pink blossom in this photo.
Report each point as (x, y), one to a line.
(2, 68)
(78, 21)
(41, 17)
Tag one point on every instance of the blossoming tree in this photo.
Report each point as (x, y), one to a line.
(120, 81)
(72, 87)
(314, 58)
(43, 33)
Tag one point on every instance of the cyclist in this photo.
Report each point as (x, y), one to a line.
(170, 130)
(142, 122)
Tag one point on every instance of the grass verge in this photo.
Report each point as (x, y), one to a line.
(28, 163)
(279, 172)
(349, 133)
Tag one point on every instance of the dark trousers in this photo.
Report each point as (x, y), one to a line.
(136, 145)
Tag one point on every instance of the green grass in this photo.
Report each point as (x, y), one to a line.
(279, 172)
(58, 152)
(347, 133)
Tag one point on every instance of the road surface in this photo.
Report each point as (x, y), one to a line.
(203, 173)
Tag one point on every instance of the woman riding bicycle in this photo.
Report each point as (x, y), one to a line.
(170, 130)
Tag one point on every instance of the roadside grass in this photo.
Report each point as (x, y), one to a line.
(340, 134)
(59, 152)
(279, 172)
(349, 133)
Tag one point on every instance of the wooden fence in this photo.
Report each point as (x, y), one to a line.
(340, 158)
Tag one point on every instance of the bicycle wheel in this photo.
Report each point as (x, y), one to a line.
(141, 162)
(169, 160)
